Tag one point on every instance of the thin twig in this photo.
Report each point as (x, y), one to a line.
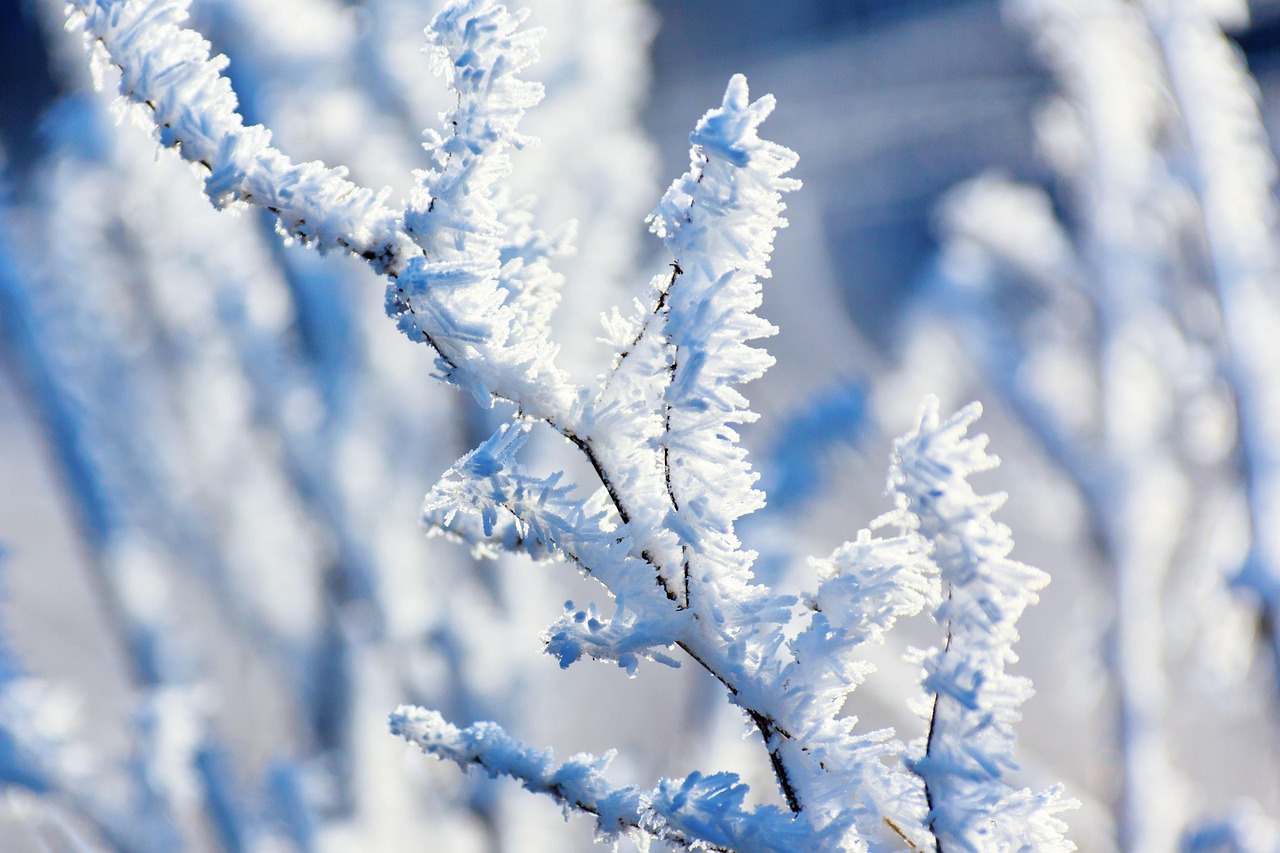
(928, 748)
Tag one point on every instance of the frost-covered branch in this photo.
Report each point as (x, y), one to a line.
(866, 586)
(718, 222)
(546, 519)
(482, 302)
(698, 812)
(969, 748)
(167, 69)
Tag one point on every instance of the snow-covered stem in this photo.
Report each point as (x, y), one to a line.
(697, 812)
(718, 222)
(970, 744)
(166, 70)
(541, 518)
(865, 587)
(481, 301)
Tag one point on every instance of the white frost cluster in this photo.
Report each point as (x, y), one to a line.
(473, 278)
(482, 299)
